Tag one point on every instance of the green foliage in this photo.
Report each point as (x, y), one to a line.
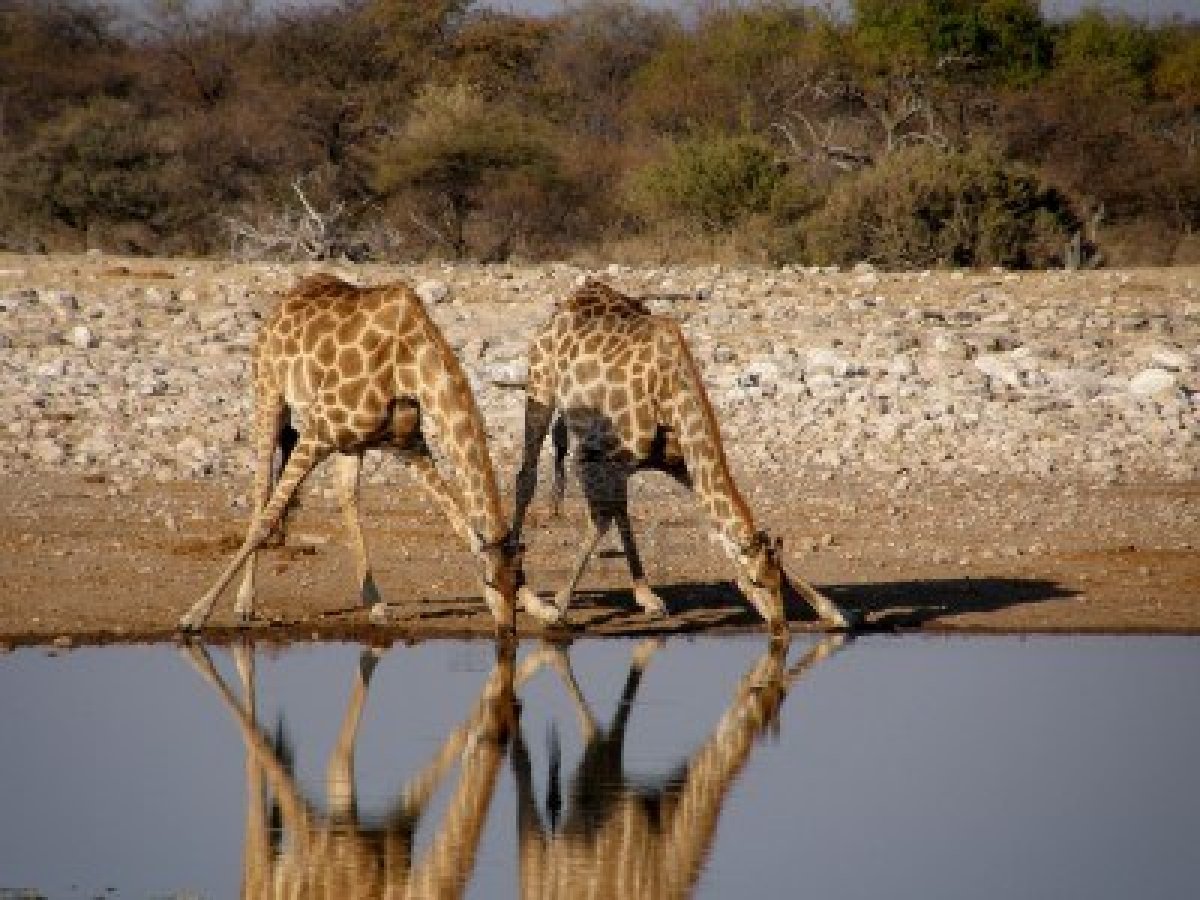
(457, 148)
(922, 207)
(713, 181)
(1177, 76)
(442, 126)
(1112, 52)
(501, 54)
(1008, 37)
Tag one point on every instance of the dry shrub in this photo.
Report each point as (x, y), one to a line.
(925, 207)
(1141, 242)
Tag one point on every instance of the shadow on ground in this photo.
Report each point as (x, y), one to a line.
(882, 606)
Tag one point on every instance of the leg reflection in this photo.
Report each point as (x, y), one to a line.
(620, 839)
(293, 849)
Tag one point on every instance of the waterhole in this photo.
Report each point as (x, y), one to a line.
(878, 767)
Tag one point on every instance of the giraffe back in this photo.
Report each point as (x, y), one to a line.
(605, 360)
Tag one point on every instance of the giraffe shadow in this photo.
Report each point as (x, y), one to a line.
(882, 606)
(918, 602)
(698, 606)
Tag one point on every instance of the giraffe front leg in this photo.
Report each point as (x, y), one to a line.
(306, 455)
(828, 611)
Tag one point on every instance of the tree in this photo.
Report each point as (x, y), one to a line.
(91, 168)
(738, 65)
(1111, 52)
(590, 63)
(455, 152)
(1176, 79)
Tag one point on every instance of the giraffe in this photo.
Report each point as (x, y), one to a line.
(306, 852)
(339, 369)
(626, 387)
(619, 837)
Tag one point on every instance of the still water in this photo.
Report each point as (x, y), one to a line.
(885, 767)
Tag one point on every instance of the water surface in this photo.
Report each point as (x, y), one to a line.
(913, 766)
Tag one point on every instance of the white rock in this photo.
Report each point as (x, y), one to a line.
(759, 373)
(821, 361)
(82, 338)
(47, 451)
(62, 300)
(1000, 369)
(1172, 360)
(1152, 383)
(433, 292)
(190, 448)
(902, 366)
(507, 373)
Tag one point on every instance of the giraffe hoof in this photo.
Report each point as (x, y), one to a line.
(546, 613)
(652, 604)
(844, 619)
(189, 624)
(379, 614)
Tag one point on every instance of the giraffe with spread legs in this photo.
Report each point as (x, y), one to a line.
(629, 394)
(339, 369)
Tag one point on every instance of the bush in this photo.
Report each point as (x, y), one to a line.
(89, 169)
(712, 182)
(925, 207)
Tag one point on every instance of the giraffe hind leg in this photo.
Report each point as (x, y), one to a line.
(348, 470)
(597, 476)
(288, 436)
(560, 435)
(646, 598)
(538, 417)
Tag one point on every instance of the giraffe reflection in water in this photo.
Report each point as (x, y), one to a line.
(617, 839)
(621, 839)
(293, 850)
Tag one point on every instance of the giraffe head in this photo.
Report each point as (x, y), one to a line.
(762, 577)
(504, 574)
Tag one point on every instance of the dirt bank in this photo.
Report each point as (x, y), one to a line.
(82, 566)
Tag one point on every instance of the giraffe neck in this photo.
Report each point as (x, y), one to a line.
(700, 440)
(449, 403)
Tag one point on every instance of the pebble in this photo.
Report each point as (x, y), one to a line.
(1152, 383)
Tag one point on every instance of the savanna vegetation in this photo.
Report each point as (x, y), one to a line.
(911, 133)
